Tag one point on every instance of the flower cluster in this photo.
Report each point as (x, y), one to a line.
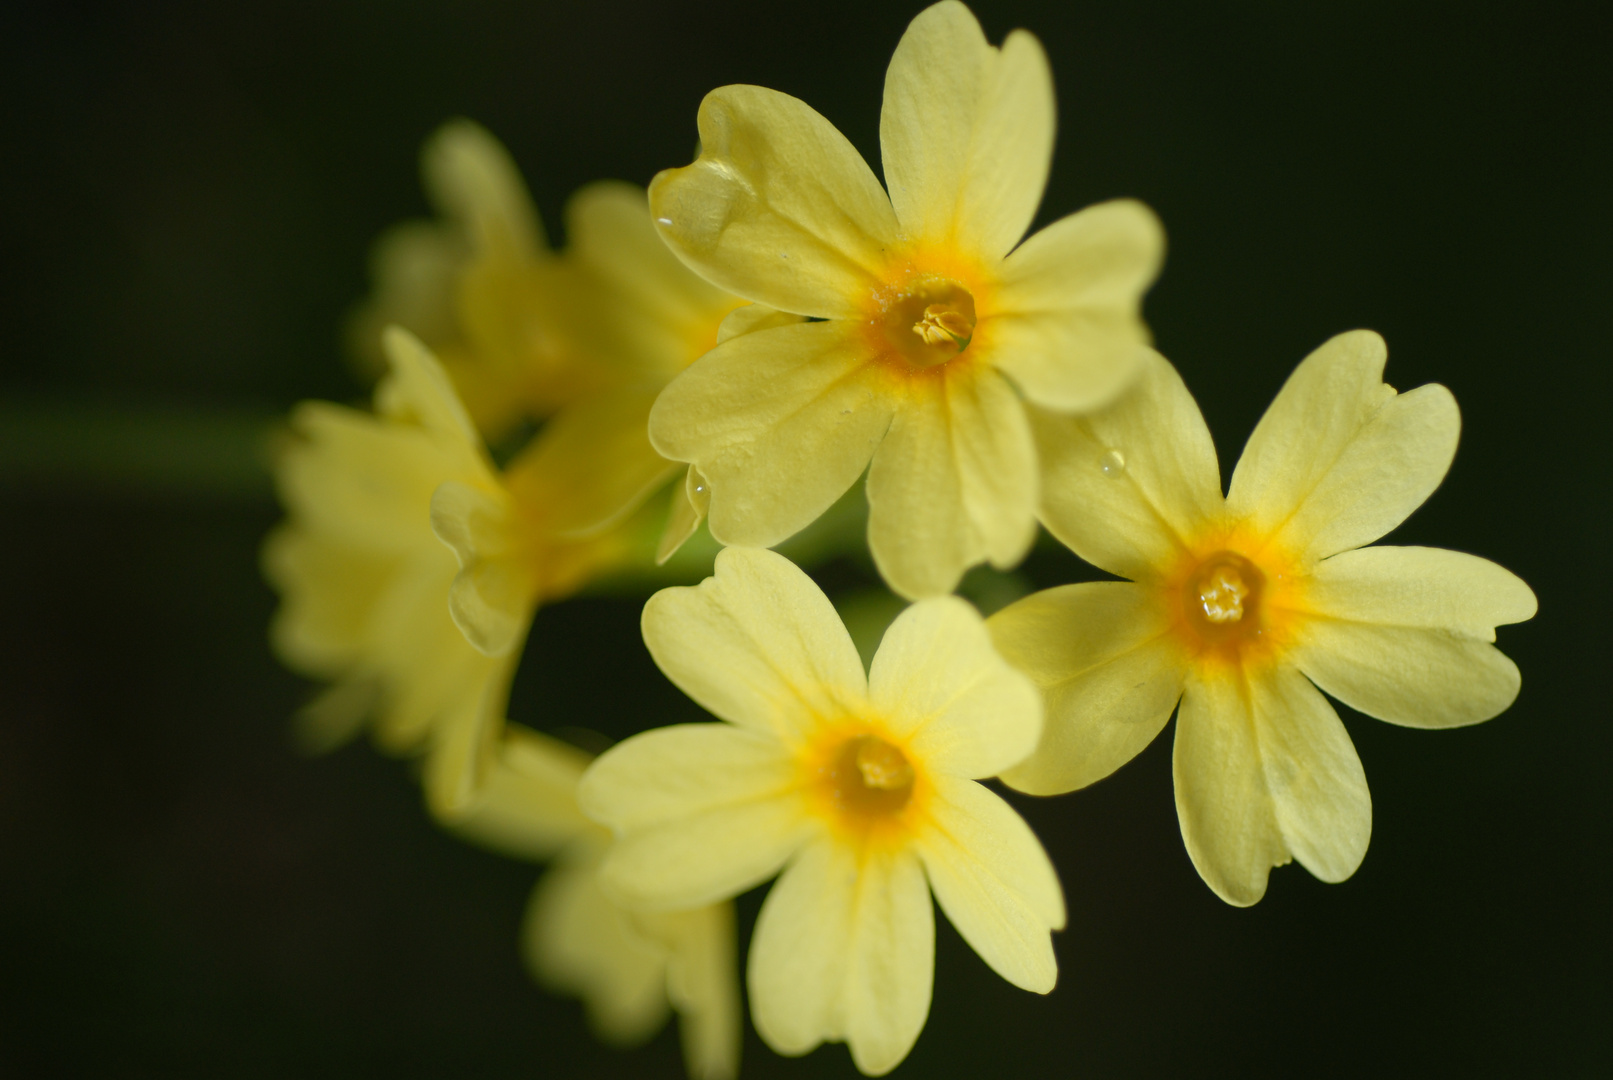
(740, 346)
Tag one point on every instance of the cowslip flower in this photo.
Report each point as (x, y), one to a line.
(930, 322)
(860, 787)
(1241, 607)
(480, 286)
(628, 967)
(374, 599)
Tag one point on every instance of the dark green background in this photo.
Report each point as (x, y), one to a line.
(187, 196)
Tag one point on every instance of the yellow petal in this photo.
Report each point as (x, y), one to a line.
(414, 266)
(659, 311)
(701, 812)
(528, 805)
(1403, 634)
(953, 484)
(778, 208)
(471, 178)
(994, 881)
(757, 644)
(1065, 324)
(577, 941)
(690, 501)
(1264, 772)
(327, 593)
(1111, 675)
(490, 599)
(966, 132)
(418, 391)
(363, 482)
(464, 734)
(1339, 459)
(592, 464)
(782, 422)
(1128, 488)
(1419, 587)
(751, 318)
(937, 679)
(703, 983)
(845, 949)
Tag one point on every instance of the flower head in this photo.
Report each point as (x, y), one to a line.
(1241, 607)
(627, 966)
(929, 317)
(374, 600)
(481, 288)
(861, 788)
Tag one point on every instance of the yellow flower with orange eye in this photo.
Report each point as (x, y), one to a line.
(931, 322)
(1241, 607)
(861, 788)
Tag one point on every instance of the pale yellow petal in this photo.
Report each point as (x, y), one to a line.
(1265, 772)
(1403, 634)
(845, 949)
(758, 644)
(966, 132)
(953, 484)
(363, 482)
(781, 421)
(490, 598)
(1111, 674)
(751, 318)
(1129, 487)
(994, 881)
(703, 983)
(464, 734)
(328, 591)
(778, 208)
(937, 680)
(336, 715)
(690, 501)
(577, 941)
(610, 234)
(1066, 323)
(414, 266)
(701, 812)
(418, 391)
(1339, 459)
(470, 177)
(592, 464)
(527, 806)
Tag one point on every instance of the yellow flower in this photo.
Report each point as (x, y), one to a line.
(626, 966)
(1238, 605)
(924, 306)
(859, 787)
(480, 287)
(374, 601)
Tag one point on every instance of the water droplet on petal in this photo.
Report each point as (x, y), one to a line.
(1113, 464)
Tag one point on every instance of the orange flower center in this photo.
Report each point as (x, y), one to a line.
(868, 778)
(1231, 609)
(924, 320)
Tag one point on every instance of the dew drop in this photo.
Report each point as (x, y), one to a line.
(663, 221)
(1113, 464)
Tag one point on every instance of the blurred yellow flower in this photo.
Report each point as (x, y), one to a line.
(860, 787)
(627, 966)
(480, 287)
(373, 597)
(1238, 605)
(928, 316)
